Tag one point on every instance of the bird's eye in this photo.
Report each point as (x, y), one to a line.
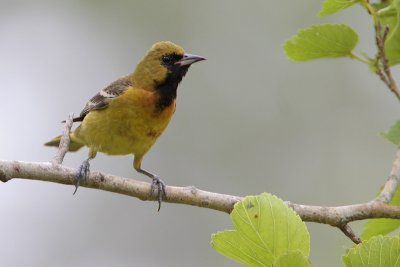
(166, 59)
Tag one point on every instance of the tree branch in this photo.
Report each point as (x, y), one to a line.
(45, 171)
(338, 216)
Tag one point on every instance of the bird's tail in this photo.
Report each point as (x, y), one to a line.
(74, 145)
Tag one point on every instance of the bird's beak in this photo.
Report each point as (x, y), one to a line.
(189, 59)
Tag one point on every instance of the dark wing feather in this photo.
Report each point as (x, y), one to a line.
(102, 98)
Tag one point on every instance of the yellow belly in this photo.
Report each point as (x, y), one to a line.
(129, 125)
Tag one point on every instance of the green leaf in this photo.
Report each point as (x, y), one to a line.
(265, 229)
(333, 6)
(375, 227)
(390, 16)
(292, 259)
(321, 41)
(378, 251)
(232, 245)
(393, 135)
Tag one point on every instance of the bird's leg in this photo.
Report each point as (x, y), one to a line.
(84, 170)
(157, 182)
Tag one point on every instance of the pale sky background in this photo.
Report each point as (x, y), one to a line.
(248, 120)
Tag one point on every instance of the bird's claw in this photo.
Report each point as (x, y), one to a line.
(82, 174)
(160, 185)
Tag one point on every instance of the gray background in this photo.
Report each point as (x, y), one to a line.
(248, 120)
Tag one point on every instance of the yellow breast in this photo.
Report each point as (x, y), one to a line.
(129, 125)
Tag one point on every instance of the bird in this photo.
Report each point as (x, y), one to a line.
(129, 115)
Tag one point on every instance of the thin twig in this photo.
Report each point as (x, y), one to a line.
(346, 229)
(384, 72)
(64, 142)
(392, 182)
(382, 76)
(382, 65)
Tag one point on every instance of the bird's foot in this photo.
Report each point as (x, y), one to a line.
(82, 173)
(160, 185)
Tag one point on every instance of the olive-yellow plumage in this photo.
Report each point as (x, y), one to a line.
(129, 115)
(120, 129)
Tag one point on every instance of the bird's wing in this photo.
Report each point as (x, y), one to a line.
(105, 96)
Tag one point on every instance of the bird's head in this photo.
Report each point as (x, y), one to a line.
(164, 62)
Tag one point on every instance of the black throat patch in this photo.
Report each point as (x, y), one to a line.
(167, 89)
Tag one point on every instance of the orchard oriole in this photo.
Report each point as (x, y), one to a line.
(129, 115)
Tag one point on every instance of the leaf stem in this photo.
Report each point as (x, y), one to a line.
(361, 59)
(371, 11)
